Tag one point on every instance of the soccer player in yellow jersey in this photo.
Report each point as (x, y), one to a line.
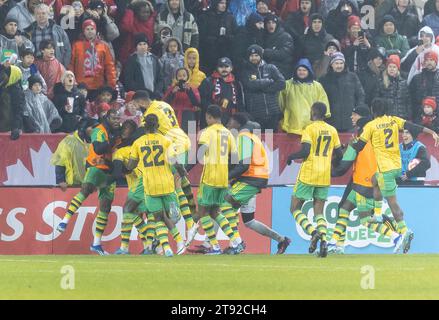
(154, 154)
(319, 140)
(216, 146)
(169, 127)
(383, 133)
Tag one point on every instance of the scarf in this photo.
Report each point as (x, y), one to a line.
(217, 94)
(92, 65)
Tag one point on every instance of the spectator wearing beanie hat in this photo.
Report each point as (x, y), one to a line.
(429, 117)
(414, 159)
(278, 46)
(394, 88)
(355, 45)
(344, 91)
(143, 70)
(262, 83)
(314, 41)
(390, 39)
(40, 113)
(92, 62)
(370, 77)
(425, 84)
(9, 36)
(321, 66)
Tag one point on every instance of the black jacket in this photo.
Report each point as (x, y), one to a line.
(278, 50)
(337, 24)
(344, 92)
(424, 84)
(4, 10)
(134, 77)
(262, 85)
(369, 80)
(60, 100)
(398, 96)
(12, 103)
(407, 24)
(313, 45)
(213, 45)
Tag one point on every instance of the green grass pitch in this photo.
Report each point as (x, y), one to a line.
(228, 277)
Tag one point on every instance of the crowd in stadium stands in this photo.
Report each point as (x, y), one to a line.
(64, 60)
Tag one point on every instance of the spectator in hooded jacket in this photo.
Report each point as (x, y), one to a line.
(222, 89)
(390, 39)
(192, 65)
(337, 20)
(278, 46)
(182, 23)
(394, 88)
(344, 92)
(23, 12)
(139, 18)
(92, 62)
(262, 83)
(142, 71)
(370, 77)
(296, 100)
(69, 103)
(314, 40)
(217, 31)
(13, 39)
(184, 98)
(171, 60)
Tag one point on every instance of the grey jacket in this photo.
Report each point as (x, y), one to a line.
(22, 14)
(42, 112)
(11, 44)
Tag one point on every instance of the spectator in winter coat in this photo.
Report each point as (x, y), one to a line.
(41, 112)
(69, 103)
(181, 21)
(278, 46)
(140, 18)
(23, 12)
(142, 71)
(414, 160)
(320, 67)
(406, 21)
(390, 39)
(262, 83)
(171, 60)
(414, 59)
(314, 40)
(432, 19)
(50, 68)
(297, 22)
(296, 100)
(92, 62)
(184, 99)
(222, 89)
(192, 64)
(12, 39)
(28, 69)
(338, 18)
(370, 77)
(12, 102)
(217, 31)
(344, 92)
(394, 88)
(46, 29)
(429, 117)
(251, 33)
(355, 46)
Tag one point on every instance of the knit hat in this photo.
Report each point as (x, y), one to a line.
(316, 16)
(431, 55)
(10, 20)
(388, 18)
(87, 23)
(431, 102)
(271, 17)
(255, 18)
(34, 79)
(96, 4)
(337, 56)
(362, 111)
(140, 37)
(394, 59)
(333, 42)
(255, 49)
(376, 52)
(354, 21)
(224, 62)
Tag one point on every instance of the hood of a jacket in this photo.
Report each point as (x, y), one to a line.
(197, 60)
(14, 77)
(426, 30)
(182, 9)
(166, 45)
(335, 42)
(305, 64)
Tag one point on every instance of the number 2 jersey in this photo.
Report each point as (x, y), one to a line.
(153, 150)
(383, 133)
(316, 169)
(168, 125)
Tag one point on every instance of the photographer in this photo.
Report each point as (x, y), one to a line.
(184, 98)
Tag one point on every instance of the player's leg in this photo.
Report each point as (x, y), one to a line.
(162, 233)
(378, 198)
(319, 218)
(128, 218)
(150, 234)
(181, 248)
(336, 244)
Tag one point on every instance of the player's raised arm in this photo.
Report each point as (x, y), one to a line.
(417, 128)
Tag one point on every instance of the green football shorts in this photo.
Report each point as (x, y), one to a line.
(243, 192)
(387, 182)
(209, 196)
(99, 179)
(161, 203)
(304, 191)
(362, 203)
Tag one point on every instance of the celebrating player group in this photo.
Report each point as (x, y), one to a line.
(154, 160)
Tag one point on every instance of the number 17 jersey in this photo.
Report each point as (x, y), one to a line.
(316, 169)
(383, 133)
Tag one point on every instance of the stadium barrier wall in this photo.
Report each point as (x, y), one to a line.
(26, 162)
(29, 216)
(418, 205)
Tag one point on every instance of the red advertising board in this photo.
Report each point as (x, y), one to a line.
(29, 216)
